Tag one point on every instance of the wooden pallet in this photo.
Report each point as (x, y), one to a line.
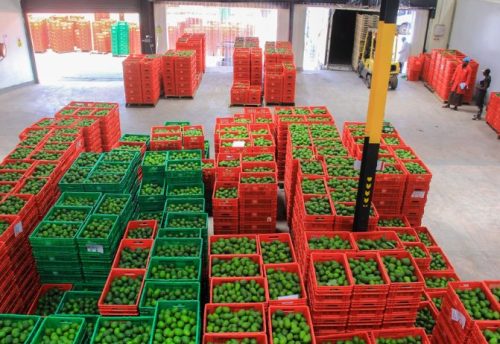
(140, 105)
(280, 104)
(245, 105)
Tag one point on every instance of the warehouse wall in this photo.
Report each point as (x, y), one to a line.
(475, 31)
(15, 69)
(443, 19)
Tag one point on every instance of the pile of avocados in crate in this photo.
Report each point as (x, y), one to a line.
(109, 243)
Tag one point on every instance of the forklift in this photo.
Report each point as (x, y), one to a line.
(365, 64)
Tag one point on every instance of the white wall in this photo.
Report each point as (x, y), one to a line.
(444, 17)
(15, 69)
(299, 26)
(476, 31)
(160, 13)
(283, 24)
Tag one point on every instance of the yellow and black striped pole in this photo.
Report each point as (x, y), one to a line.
(376, 108)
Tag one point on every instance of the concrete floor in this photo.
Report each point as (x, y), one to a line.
(464, 202)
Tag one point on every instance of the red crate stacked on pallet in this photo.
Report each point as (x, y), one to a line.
(61, 36)
(416, 191)
(292, 312)
(455, 324)
(404, 298)
(151, 79)
(247, 72)
(168, 73)
(132, 79)
(166, 138)
(186, 65)
(329, 304)
(39, 34)
(493, 112)
(258, 202)
(101, 31)
(225, 207)
(196, 42)
(368, 300)
(279, 73)
(83, 35)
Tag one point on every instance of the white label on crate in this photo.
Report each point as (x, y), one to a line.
(458, 317)
(78, 144)
(238, 144)
(269, 219)
(289, 297)
(95, 249)
(357, 165)
(18, 228)
(418, 194)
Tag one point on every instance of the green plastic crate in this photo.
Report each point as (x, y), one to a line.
(131, 157)
(181, 290)
(98, 247)
(17, 318)
(134, 319)
(180, 233)
(198, 204)
(181, 123)
(83, 159)
(207, 149)
(81, 212)
(152, 202)
(186, 176)
(67, 185)
(191, 305)
(104, 167)
(150, 215)
(50, 243)
(197, 243)
(117, 186)
(154, 169)
(142, 138)
(89, 286)
(175, 155)
(91, 199)
(126, 211)
(56, 322)
(177, 262)
(71, 295)
(200, 190)
(187, 216)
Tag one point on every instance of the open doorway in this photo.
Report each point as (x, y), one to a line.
(315, 37)
(83, 46)
(221, 25)
(342, 38)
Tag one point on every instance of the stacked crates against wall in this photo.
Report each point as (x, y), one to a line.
(61, 36)
(39, 35)
(363, 23)
(101, 31)
(142, 79)
(83, 35)
(247, 72)
(493, 112)
(279, 73)
(442, 67)
(120, 41)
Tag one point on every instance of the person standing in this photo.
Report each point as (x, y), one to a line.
(459, 84)
(404, 54)
(481, 93)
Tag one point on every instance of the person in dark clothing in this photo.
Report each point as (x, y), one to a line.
(481, 93)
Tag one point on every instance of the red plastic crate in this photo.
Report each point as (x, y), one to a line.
(288, 301)
(439, 274)
(137, 224)
(214, 238)
(376, 292)
(126, 310)
(281, 237)
(424, 230)
(400, 333)
(476, 335)
(157, 144)
(224, 338)
(423, 263)
(225, 206)
(403, 230)
(132, 244)
(211, 307)
(399, 287)
(256, 258)
(316, 219)
(389, 235)
(342, 292)
(44, 289)
(304, 310)
(334, 338)
(215, 281)
(449, 266)
(262, 190)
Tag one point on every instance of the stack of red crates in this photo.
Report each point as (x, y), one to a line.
(166, 138)
(141, 77)
(196, 42)
(83, 35)
(179, 73)
(441, 69)
(279, 73)
(403, 299)
(100, 16)
(455, 325)
(416, 192)
(61, 36)
(258, 201)
(329, 304)
(39, 35)
(493, 112)
(247, 72)
(368, 302)
(134, 39)
(225, 210)
(102, 43)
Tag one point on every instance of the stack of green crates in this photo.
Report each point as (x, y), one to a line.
(57, 329)
(120, 44)
(26, 327)
(184, 166)
(54, 244)
(153, 186)
(100, 236)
